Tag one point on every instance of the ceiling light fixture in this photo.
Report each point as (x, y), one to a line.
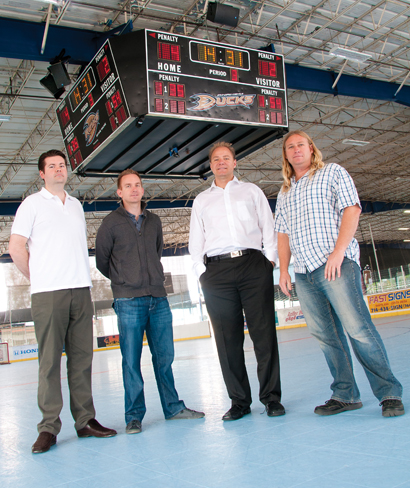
(341, 52)
(403, 228)
(4, 118)
(406, 211)
(406, 240)
(54, 2)
(353, 142)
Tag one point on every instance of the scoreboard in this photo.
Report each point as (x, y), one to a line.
(149, 76)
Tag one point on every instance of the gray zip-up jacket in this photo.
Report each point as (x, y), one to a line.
(131, 258)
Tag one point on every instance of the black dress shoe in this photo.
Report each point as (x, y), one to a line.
(43, 443)
(95, 429)
(274, 409)
(236, 412)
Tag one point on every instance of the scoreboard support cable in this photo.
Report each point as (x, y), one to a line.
(155, 102)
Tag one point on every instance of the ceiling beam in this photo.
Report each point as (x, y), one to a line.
(8, 208)
(22, 40)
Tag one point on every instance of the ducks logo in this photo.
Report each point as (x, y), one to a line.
(90, 127)
(204, 101)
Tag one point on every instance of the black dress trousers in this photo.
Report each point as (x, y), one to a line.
(231, 286)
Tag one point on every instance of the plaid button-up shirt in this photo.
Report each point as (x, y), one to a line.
(311, 213)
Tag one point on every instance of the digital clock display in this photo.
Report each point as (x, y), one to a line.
(221, 56)
(83, 88)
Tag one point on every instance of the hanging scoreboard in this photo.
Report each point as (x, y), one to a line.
(155, 74)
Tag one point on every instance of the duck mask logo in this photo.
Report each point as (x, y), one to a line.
(90, 127)
(204, 101)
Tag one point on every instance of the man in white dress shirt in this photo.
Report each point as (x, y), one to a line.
(233, 246)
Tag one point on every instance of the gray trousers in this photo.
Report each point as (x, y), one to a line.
(64, 317)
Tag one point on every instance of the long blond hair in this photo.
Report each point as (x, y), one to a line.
(287, 171)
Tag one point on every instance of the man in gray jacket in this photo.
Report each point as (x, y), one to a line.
(128, 252)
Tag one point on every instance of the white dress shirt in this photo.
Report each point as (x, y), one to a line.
(57, 241)
(231, 219)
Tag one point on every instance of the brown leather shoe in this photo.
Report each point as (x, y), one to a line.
(95, 429)
(43, 443)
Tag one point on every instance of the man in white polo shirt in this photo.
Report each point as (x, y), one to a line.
(51, 224)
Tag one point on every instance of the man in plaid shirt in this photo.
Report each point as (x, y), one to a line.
(316, 217)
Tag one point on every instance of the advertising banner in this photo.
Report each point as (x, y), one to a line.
(389, 302)
(108, 341)
(291, 317)
(19, 353)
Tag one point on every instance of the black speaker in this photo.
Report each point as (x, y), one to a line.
(222, 14)
(50, 85)
(60, 75)
(56, 79)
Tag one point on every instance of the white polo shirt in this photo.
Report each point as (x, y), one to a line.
(57, 241)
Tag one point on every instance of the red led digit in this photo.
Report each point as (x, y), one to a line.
(164, 51)
(273, 117)
(78, 157)
(180, 91)
(65, 117)
(261, 101)
(262, 116)
(173, 106)
(69, 150)
(181, 107)
(90, 99)
(158, 88)
(116, 99)
(172, 90)
(121, 116)
(159, 105)
(103, 68)
(279, 103)
(113, 123)
(108, 107)
(279, 118)
(263, 68)
(74, 145)
(175, 56)
(234, 75)
(272, 70)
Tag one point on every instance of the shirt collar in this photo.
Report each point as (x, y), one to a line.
(143, 208)
(46, 194)
(234, 181)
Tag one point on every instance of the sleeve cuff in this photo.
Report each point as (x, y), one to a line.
(199, 269)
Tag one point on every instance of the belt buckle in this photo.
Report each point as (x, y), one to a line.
(236, 254)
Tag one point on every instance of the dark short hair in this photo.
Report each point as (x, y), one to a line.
(125, 173)
(221, 144)
(50, 154)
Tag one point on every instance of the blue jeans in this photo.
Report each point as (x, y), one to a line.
(331, 306)
(153, 316)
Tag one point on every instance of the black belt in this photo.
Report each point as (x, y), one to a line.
(229, 255)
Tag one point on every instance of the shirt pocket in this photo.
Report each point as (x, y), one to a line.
(245, 211)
